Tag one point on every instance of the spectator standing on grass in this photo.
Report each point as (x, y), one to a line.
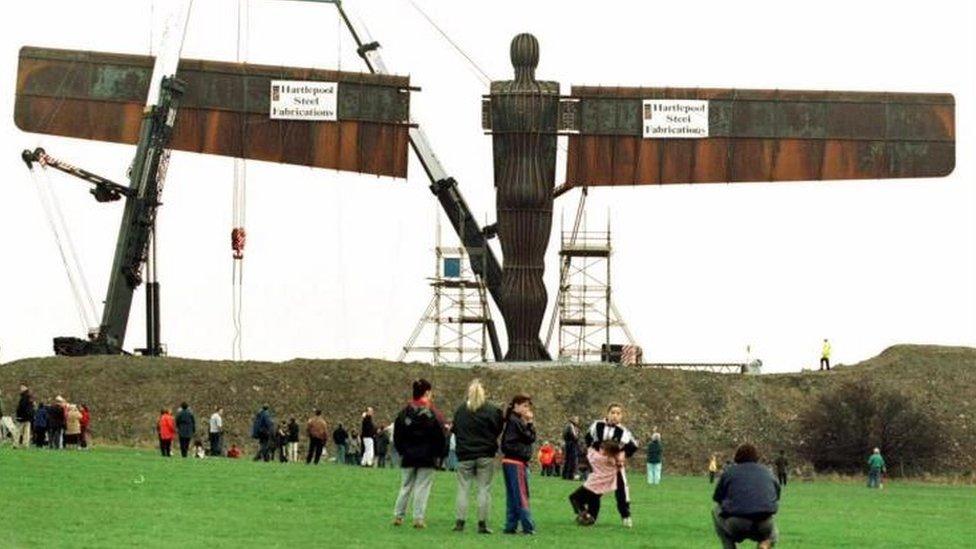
(355, 453)
(341, 438)
(166, 429)
(382, 445)
(825, 355)
(281, 441)
(546, 456)
(318, 432)
(571, 445)
(451, 463)
(85, 425)
(368, 430)
(747, 498)
(263, 429)
(712, 468)
(40, 425)
(517, 439)
(782, 468)
(419, 439)
(55, 423)
(216, 432)
(24, 416)
(557, 461)
(655, 455)
(876, 467)
(72, 429)
(293, 432)
(476, 426)
(186, 427)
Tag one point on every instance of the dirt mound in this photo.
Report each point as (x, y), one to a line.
(696, 412)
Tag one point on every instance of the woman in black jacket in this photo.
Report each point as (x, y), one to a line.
(517, 442)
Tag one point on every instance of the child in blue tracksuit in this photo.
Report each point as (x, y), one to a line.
(517, 439)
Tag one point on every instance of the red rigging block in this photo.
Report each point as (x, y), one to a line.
(757, 135)
(226, 109)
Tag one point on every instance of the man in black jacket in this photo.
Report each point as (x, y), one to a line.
(186, 426)
(25, 416)
(747, 498)
(477, 425)
(418, 435)
(571, 444)
(340, 437)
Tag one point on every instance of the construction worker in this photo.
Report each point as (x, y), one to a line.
(825, 355)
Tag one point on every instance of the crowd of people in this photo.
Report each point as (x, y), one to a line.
(58, 425)
(421, 440)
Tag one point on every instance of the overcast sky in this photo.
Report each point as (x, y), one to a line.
(336, 263)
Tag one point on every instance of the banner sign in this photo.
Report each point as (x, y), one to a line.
(675, 118)
(297, 100)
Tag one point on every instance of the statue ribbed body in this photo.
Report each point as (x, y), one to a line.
(524, 113)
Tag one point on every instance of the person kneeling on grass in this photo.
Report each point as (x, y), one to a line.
(603, 480)
(748, 498)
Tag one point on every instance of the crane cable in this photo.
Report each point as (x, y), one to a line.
(238, 235)
(481, 74)
(84, 304)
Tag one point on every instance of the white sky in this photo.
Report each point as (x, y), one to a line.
(336, 263)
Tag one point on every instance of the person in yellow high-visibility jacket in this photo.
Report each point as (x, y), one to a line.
(825, 356)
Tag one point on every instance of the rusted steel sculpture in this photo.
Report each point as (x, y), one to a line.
(100, 96)
(524, 112)
(762, 135)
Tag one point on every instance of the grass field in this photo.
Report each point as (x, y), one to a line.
(132, 498)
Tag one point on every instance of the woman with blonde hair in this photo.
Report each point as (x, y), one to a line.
(477, 425)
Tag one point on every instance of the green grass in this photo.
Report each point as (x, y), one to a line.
(131, 498)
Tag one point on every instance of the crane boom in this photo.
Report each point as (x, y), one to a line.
(445, 188)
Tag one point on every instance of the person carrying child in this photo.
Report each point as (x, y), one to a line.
(610, 428)
(605, 463)
(517, 439)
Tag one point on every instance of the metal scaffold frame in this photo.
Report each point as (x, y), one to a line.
(586, 312)
(458, 318)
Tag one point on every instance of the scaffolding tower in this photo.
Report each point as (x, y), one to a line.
(588, 318)
(457, 324)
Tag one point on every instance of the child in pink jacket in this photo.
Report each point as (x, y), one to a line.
(603, 479)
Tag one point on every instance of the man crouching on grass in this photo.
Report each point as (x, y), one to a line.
(748, 497)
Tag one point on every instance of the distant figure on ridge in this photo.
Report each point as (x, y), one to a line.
(825, 355)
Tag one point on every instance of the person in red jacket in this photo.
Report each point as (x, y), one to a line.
(546, 455)
(85, 422)
(166, 427)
